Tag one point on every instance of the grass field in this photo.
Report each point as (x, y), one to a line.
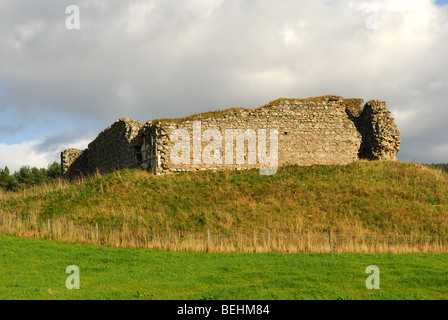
(35, 269)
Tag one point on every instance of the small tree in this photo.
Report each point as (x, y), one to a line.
(5, 178)
(14, 185)
(24, 175)
(54, 170)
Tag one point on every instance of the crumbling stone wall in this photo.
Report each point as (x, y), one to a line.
(111, 150)
(74, 162)
(322, 130)
(380, 136)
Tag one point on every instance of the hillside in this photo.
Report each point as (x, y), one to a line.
(359, 198)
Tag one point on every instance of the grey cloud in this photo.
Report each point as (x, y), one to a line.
(151, 59)
(10, 129)
(56, 142)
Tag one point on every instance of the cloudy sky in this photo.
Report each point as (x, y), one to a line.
(170, 58)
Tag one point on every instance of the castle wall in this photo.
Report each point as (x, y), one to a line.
(323, 130)
(74, 162)
(310, 131)
(111, 150)
(380, 136)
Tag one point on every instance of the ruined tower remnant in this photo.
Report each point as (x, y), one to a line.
(321, 130)
(113, 149)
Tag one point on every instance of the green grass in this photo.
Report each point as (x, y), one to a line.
(35, 269)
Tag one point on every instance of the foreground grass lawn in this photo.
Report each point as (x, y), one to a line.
(35, 269)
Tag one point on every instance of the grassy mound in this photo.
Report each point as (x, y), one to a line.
(359, 198)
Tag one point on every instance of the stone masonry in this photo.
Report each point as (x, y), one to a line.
(321, 130)
(112, 150)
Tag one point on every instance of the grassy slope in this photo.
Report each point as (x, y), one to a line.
(35, 269)
(363, 197)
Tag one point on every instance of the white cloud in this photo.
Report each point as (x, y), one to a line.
(139, 16)
(27, 32)
(30, 153)
(15, 156)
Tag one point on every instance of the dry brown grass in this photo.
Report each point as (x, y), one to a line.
(175, 240)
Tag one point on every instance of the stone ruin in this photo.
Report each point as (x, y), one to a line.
(322, 130)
